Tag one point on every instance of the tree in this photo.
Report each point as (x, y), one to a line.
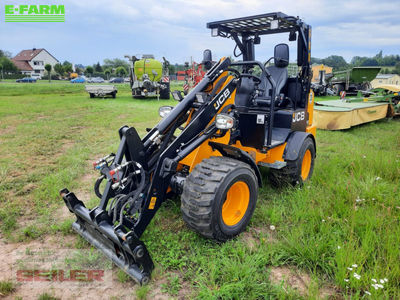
(121, 71)
(370, 62)
(108, 71)
(115, 63)
(59, 69)
(98, 68)
(89, 70)
(335, 61)
(4, 53)
(78, 70)
(2, 76)
(8, 65)
(171, 69)
(48, 69)
(397, 68)
(67, 67)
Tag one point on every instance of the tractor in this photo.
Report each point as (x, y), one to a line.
(208, 150)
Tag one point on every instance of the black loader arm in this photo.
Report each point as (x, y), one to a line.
(136, 180)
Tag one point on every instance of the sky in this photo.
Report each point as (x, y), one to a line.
(176, 29)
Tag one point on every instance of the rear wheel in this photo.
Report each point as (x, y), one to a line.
(297, 171)
(219, 197)
(91, 95)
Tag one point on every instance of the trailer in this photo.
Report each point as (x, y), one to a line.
(101, 90)
(353, 80)
(376, 104)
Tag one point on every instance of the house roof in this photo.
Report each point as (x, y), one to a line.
(385, 76)
(28, 55)
(22, 65)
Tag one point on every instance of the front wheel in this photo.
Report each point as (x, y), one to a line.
(219, 197)
(297, 171)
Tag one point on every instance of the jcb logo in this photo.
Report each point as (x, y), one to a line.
(221, 100)
(299, 116)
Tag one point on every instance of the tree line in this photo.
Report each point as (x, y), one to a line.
(120, 67)
(389, 63)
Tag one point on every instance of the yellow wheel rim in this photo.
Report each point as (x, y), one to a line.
(306, 165)
(236, 203)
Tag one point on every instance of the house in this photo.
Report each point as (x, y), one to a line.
(317, 69)
(32, 62)
(385, 79)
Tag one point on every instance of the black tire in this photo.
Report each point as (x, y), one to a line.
(292, 172)
(205, 192)
(91, 95)
(114, 94)
(164, 90)
(339, 88)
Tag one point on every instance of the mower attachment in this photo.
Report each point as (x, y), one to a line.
(124, 249)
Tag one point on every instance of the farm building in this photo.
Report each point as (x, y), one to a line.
(385, 79)
(32, 61)
(317, 68)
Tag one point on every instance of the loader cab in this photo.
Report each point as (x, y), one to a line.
(271, 102)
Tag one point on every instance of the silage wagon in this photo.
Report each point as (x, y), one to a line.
(353, 80)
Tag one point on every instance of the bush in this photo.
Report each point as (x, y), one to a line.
(99, 74)
(14, 76)
(53, 77)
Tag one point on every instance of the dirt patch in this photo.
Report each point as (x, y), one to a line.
(7, 130)
(16, 261)
(255, 235)
(297, 280)
(158, 282)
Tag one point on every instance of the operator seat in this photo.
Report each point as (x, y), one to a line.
(278, 72)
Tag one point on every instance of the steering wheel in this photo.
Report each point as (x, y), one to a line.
(254, 77)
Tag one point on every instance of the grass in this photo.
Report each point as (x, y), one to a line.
(348, 214)
(6, 288)
(46, 296)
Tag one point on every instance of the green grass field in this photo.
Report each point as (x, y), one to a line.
(346, 217)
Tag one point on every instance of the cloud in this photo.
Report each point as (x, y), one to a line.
(177, 29)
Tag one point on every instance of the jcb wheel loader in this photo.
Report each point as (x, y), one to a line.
(208, 149)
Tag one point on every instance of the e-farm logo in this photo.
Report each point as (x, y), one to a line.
(34, 13)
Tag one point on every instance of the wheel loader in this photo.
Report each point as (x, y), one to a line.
(209, 148)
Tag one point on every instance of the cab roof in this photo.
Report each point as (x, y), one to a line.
(269, 23)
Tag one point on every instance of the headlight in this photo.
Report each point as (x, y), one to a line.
(224, 121)
(163, 111)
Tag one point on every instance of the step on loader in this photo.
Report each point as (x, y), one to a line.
(208, 149)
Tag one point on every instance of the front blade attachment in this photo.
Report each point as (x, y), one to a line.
(122, 247)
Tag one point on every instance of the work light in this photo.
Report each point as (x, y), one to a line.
(163, 111)
(224, 121)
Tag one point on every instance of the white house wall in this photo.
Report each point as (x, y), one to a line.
(44, 57)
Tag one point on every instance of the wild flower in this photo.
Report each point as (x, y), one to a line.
(346, 280)
(374, 280)
(354, 266)
(356, 276)
(378, 178)
(339, 247)
(350, 269)
(272, 227)
(368, 293)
